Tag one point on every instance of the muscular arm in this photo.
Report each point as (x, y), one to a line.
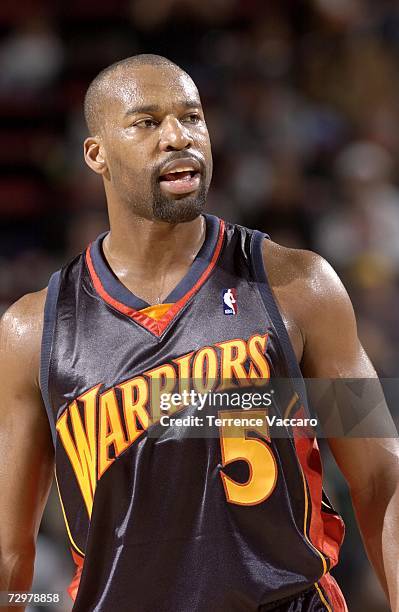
(323, 329)
(26, 449)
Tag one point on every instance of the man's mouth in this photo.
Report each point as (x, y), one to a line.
(180, 177)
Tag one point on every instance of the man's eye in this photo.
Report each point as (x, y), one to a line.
(146, 123)
(192, 118)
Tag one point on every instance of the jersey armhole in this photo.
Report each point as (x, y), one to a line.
(50, 308)
(275, 315)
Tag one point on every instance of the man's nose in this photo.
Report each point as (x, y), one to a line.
(174, 135)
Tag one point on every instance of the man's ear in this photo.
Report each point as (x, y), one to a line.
(94, 155)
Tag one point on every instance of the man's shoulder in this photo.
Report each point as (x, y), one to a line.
(298, 268)
(29, 308)
(22, 324)
(307, 288)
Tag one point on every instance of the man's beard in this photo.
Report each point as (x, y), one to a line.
(158, 205)
(178, 210)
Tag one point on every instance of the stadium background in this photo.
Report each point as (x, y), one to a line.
(301, 100)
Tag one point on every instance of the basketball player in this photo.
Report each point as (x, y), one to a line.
(162, 521)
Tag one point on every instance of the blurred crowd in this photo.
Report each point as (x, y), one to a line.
(302, 103)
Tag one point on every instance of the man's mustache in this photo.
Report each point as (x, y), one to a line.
(180, 155)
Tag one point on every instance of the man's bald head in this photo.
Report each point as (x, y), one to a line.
(102, 84)
(144, 113)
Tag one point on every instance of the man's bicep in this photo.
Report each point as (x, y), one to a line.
(26, 448)
(26, 466)
(332, 348)
(344, 389)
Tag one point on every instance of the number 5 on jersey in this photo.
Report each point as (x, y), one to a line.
(237, 446)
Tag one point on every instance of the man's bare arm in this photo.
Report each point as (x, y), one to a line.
(332, 350)
(26, 447)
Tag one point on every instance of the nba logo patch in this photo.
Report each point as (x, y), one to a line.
(229, 301)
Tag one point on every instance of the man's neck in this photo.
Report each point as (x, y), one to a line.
(153, 246)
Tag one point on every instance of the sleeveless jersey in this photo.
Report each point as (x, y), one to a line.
(157, 519)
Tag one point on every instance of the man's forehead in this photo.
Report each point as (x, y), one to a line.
(151, 86)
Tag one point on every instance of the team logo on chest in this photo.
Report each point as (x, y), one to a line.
(230, 301)
(100, 424)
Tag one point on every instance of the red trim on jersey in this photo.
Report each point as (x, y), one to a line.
(326, 531)
(73, 587)
(334, 593)
(154, 326)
